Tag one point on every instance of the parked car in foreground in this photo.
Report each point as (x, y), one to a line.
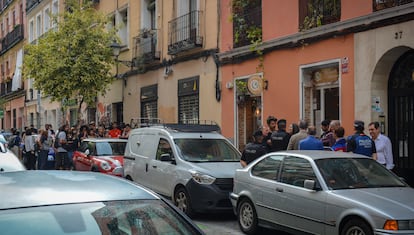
(192, 164)
(70, 202)
(322, 192)
(105, 155)
(9, 161)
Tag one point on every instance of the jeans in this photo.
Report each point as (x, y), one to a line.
(62, 161)
(42, 159)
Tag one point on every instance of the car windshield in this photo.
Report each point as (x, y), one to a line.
(207, 150)
(348, 173)
(110, 148)
(114, 217)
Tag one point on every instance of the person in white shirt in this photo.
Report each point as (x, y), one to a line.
(383, 145)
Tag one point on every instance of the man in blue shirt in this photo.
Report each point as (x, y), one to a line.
(360, 143)
(311, 142)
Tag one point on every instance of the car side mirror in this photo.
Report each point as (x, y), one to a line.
(311, 185)
(87, 152)
(166, 157)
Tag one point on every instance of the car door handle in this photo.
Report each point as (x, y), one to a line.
(154, 166)
(280, 190)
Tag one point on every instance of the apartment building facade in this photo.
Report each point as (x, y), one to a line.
(12, 36)
(337, 60)
(40, 110)
(166, 70)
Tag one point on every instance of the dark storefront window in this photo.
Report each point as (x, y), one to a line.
(188, 100)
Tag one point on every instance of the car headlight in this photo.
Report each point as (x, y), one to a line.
(105, 166)
(399, 225)
(202, 178)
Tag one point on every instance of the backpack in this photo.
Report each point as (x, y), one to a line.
(56, 144)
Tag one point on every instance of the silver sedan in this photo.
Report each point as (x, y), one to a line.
(322, 192)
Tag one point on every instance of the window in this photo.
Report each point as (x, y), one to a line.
(246, 18)
(315, 13)
(296, 170)
(320, 93)
(46, 20)
(39, 26)
(149, 107)
(14, 18)
(121, 20)
(268, 168)
(31, 31)
(14, 117)
(188, 100)
(55, 11)
(206, 150)
(164, 147)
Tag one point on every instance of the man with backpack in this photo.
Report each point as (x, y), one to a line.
(61, 149)
(360, 143)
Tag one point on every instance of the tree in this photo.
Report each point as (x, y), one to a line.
(73, 60)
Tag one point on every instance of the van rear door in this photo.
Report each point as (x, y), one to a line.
(140, 146)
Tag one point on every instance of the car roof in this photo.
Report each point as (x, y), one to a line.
(9, 162)
(321, 154)
(37, 188)
(96, 140)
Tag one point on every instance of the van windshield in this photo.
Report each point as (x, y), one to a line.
(207, 150)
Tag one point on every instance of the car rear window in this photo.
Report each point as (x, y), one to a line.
(110, 148)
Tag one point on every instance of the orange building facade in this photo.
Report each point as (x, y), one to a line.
(352, 63)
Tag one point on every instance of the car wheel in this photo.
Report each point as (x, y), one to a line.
(182, 201)
(356, 227)
(247, 217)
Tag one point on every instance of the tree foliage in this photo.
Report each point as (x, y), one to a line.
(73, 59)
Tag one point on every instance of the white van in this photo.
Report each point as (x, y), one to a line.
(194, 165)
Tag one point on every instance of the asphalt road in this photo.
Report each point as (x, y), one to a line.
(224, 224)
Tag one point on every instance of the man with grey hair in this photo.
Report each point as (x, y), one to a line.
(302, 134)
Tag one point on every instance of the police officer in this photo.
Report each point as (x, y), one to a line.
(253, 150)
(280, 138)
(360, 143)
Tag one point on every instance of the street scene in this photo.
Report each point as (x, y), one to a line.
(206, 117)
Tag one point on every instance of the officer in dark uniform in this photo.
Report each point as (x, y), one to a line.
(253, 150)
(280, 138)
(360, 143)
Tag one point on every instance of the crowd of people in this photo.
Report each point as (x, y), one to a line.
(37, 148)
(301, 136)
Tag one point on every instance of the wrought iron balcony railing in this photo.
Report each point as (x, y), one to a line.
(246, 22)
(12, 38)
(5, 4)
(145, 47)
(378, 5)
(184, 33)
(30, 4)
(317, 13)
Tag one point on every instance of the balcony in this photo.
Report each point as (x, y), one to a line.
(378, 5)
(245, 23)
(315, 13)
(4, 4)
(12, 38)
(145, 47)
(30, 4)
(184, 33)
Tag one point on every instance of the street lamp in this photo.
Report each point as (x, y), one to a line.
(116, 50)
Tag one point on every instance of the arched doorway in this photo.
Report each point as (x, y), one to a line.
(401, 115)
